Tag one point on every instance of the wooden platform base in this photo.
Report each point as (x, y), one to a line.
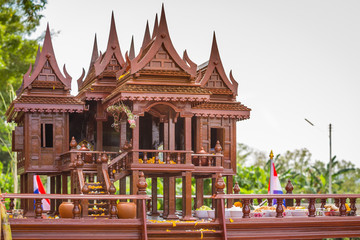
(253, 228)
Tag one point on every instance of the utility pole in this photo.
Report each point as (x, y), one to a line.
(330, 167)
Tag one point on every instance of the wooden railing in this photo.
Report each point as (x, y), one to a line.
(340, 200)
(77, 198)
(246, 199)
(149, 156)
(87, 157)
(212, 160)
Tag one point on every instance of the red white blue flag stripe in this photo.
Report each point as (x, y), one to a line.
(39, 189)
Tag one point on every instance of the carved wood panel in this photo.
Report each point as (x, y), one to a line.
(18, 139)
(35, 141)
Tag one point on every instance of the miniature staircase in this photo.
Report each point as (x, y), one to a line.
(98, 207)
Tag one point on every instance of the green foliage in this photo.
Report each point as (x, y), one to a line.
(18, 18)
(6, 180)
(306, 175)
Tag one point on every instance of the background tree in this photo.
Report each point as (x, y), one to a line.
(18, 19)
(306, 175)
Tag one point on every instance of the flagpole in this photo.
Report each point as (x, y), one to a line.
(271, 172)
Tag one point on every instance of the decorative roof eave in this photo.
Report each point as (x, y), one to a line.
(162, 38)
(96, 91)
(94, 96)
(48, 108)
(113, 48)
(164, 97)
(238, 115)
(215, 62)
(47, 54)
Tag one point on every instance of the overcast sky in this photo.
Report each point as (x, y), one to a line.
(292, 60)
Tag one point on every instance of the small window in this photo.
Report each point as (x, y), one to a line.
(46, 135)
(216, 134)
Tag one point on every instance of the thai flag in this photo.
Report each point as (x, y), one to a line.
(39, 189)
(274, 183)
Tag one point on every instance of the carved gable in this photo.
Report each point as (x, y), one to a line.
(215, 81)
(113, 64)
(162, 60)
(47, 78)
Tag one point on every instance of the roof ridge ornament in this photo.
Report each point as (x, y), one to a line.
(158, 42)
(215, 62)
(147, 38)
(80, 80)
(132, 49)
(113, 48)
(156, 27)
(46, 54)
(95, 53)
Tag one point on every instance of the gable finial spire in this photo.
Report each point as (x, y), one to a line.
(113, 39)
(47, 45)
(112, 49)
(163, 28)
(214, 55)
(132, 49)
(47, 55)
(156, 26)
(146, 39)
(95, 52)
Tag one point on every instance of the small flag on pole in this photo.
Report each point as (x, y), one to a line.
(274, 182)
(39, 189)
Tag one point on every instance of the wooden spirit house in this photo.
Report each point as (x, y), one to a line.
(185, 119)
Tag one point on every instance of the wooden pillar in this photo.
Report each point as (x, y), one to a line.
(99, 135)
(122, 186)
(64, 183)
(57, 191)
(52, 191)
(213, 191)
(199, 201)
(171, 131)
(30, 189)
(135, 142)
(166, 135)
(187, 126)
(154, 193)
(165, 196)
(171, 197)
(229, 190)
(187, 199)
(22, 190)
(122, 132)
(134, 178)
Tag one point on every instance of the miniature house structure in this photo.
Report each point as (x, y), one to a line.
(152, 112)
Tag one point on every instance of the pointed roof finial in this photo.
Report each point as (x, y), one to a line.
(113, 48)
(95, 52)
(216, 63)
(113, 39)
(146, 39)
(163, 28)
(156, 26)
(132, 49)
(47, 54)
(271, 155)
(215, 56)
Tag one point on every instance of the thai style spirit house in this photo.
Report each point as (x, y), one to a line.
(152, 112)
